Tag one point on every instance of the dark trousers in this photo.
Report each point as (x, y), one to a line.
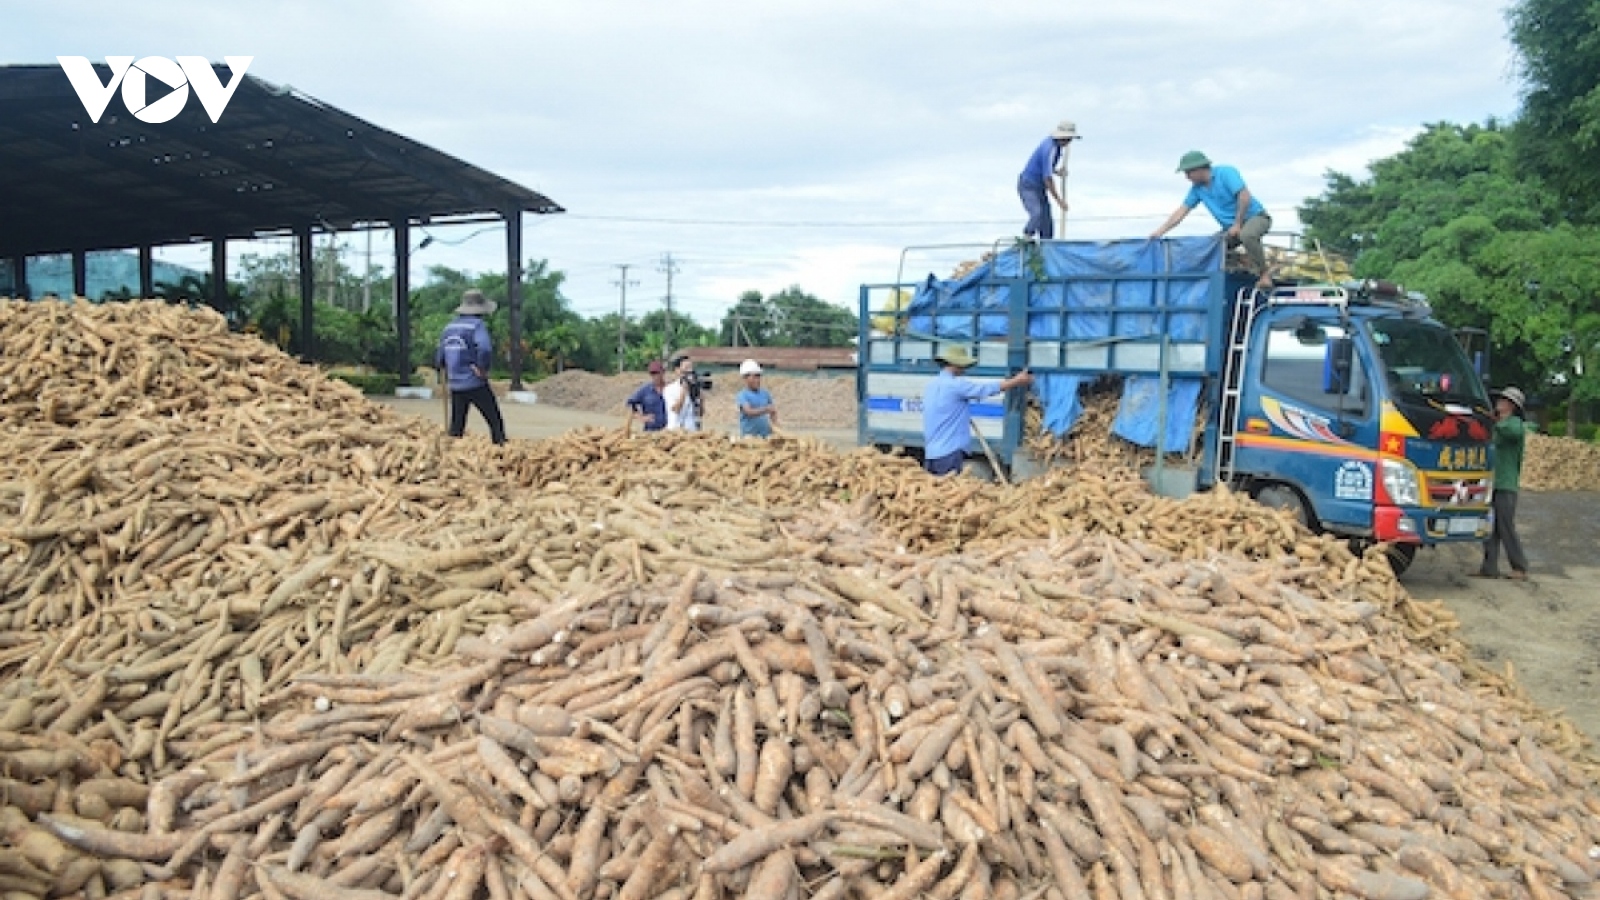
(1037, 202)
(1505, 531)
(483, 398)
(949, 464)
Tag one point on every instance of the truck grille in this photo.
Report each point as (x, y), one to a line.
(1458, 491)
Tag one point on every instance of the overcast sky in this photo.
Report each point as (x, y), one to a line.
(768, 143)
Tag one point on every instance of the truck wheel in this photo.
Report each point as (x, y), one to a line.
(1400, 557)
(1282, 496)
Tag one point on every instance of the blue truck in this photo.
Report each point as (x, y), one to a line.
(1346, 404)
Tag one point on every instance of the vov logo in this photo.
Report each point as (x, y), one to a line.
(187, 72)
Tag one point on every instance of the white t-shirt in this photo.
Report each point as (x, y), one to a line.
(684, 419)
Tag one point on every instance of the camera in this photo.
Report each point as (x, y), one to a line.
(697, 382)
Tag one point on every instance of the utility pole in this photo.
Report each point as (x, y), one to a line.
(622, 318)
(669, 267)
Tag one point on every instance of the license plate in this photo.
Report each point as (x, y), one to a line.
(1465, 526)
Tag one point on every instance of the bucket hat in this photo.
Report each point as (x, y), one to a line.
(1194, 159)
(955, 356)
(1515, 395)
(1066, 130)
(473, 303)
(749, 367)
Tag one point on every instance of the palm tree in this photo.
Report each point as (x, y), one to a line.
(560, 340)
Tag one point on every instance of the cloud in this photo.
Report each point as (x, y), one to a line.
(810, 141)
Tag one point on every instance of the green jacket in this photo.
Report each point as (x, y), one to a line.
(1510, 434)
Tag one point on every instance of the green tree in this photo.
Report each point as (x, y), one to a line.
(1558, 54)
(747, 322)
(683, 333)
(789, 318)
(560, 342)
(1446, 172)
(1452, 215)
(198, 289)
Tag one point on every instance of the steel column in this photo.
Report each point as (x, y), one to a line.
(147, 269)
(308, 286)
(19, 278)
(514, 291)
(80, 273)
(402, 297)
(219, 273)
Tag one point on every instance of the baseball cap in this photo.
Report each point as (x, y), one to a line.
(749, 367)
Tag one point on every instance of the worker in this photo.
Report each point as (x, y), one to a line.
(682, 396)
(647, 402)
(1223, 191)
(1037, 186)
(758, 415)
(946, 409)
(463, 357)
(1510, 435)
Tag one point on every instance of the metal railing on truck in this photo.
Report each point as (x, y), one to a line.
(1086, 325)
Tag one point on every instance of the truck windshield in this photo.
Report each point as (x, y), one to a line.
(1421, 360)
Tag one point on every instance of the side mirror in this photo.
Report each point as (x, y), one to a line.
(1337, 360)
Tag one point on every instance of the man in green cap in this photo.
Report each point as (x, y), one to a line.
(1222, 190)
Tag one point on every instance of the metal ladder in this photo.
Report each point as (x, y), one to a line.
(1245, 306)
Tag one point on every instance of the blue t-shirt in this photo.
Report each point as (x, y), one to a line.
(754, 426)
(464, 344)
(946, 414)
(1041, 163)
(1221, 196)
(649, 402)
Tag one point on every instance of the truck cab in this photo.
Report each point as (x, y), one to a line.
(1355, 410)
(1346, 404)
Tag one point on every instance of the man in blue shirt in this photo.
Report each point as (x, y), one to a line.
(757, 414)
(464, 356)
(946, 413)
(647, 401)
(1035, 182)
(1222, 190)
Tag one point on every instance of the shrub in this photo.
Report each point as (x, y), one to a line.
(376, 383)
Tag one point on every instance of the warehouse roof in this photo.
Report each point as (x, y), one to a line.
(275, 160)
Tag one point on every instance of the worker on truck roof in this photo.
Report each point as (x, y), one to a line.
(1036, 186)
(946, 410)
(1223, 191)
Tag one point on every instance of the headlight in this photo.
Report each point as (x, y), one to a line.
(1401, 483)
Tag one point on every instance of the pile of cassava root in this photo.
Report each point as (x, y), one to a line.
(1560, 464)
(262, 638)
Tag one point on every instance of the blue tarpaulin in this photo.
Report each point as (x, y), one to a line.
(1089, 291)
(1139, 414)
(1058, 395)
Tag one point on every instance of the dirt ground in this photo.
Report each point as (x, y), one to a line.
(1547, 627)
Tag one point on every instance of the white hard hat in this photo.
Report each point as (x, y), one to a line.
(749, 367)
